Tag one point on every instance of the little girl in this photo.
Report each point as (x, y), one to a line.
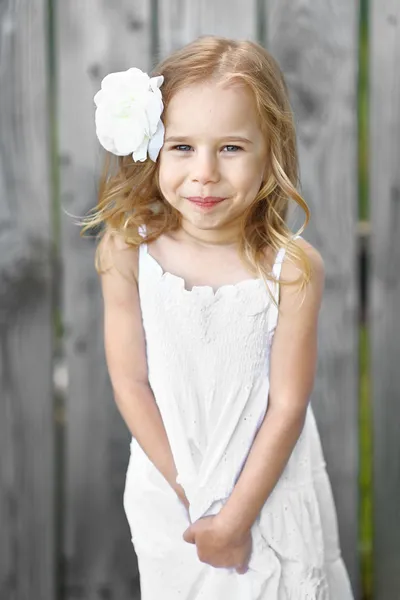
(226, 495)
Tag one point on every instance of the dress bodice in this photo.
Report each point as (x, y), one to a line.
(208, 363)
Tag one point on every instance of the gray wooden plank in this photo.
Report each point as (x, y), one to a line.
(180, 22)
(27, 562)
(94, 38)
(385, 291)
(316, 47)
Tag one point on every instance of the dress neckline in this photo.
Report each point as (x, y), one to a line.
(208, 290)
(227, 288)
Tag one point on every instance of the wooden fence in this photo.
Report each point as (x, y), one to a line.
(63, 446)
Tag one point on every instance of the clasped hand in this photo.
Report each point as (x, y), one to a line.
(217, 547)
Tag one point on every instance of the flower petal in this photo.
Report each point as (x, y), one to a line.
(156, 82)
(107, 143)
(156, 142)
(129, 134)
(154, 108)
(114, 81)
(140, 154)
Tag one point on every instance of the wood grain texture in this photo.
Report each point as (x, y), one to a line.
(384, 157)
(180, 21)
(94, 38)
(27, 563)
(316, 47)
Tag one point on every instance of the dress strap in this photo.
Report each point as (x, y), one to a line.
(142, 249)
(142, 230)
(143, 246)
(276, 269)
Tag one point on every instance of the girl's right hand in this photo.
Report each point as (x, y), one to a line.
(217, 549)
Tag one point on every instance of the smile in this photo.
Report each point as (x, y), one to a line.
(204, 203)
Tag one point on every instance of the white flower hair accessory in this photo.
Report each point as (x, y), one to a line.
(128, 114)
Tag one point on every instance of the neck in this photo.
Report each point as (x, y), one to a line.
(208, 237)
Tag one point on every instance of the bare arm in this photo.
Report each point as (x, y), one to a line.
(293, 363)
(125, 348)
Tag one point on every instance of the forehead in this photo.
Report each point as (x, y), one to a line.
(212, 106)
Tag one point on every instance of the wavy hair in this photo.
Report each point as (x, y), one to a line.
(129, 195)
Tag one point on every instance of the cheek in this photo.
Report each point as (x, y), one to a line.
(247, 176)
(165, 172)
(169, 178)
(170, 171)
(163, 182)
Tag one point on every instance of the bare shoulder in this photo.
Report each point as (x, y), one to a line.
(291, 269)
(116, 254)
(314, 256)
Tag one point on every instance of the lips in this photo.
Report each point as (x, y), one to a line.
(206, 199)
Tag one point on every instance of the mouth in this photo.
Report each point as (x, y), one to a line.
(206, 202)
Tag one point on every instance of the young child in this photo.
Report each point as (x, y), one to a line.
(226, 495)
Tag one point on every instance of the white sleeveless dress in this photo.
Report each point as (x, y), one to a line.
(208, 360)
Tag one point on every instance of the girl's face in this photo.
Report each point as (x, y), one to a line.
(213, 147)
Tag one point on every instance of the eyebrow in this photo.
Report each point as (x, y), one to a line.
(183, 138)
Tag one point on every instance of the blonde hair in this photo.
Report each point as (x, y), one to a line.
(129, 194)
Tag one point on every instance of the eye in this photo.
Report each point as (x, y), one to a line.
(232, 148)
(182, 147)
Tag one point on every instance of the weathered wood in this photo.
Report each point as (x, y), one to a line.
(94, 38)
(316, 47)
(27, 562)
(385, 291)
(180, 22)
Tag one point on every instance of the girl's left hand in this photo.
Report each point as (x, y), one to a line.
(216, 548)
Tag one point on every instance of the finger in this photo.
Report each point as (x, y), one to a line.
(189, 536)
(242, 569)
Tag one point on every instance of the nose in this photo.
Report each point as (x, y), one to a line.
(205, 167)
